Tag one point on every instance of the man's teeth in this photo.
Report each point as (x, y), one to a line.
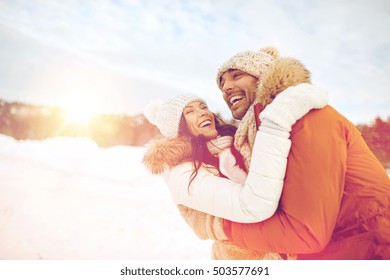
(205, 123)
(236, 98)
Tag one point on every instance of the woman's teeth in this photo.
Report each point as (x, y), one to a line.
(205, 123)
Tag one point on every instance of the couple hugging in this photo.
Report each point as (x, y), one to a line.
(294, 180)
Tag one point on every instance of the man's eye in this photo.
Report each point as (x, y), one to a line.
(222, 82)
(236, 75)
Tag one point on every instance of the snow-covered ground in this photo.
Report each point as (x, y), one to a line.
(66, 198)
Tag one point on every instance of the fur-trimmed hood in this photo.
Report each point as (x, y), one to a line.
(165, 152)
(281, 74)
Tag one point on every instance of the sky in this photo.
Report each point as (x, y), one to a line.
(115, 56)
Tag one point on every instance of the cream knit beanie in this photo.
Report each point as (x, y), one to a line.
(251, 62)
(166, 115)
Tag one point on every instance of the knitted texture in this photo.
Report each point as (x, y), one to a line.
(167, 115)
(204, 225)
(225, 250)
(245, 136)
(251, 62)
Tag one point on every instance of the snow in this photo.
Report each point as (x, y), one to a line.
(67, 198)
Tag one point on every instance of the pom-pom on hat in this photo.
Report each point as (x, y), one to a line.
(166, 115)
(251, 62)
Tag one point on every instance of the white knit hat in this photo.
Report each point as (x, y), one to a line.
(166, 115)
(251, 62)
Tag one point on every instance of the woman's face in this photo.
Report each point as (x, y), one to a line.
(200, 120)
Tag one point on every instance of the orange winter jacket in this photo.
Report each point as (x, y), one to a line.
(335, 200)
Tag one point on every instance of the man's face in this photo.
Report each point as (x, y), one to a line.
(239, 91)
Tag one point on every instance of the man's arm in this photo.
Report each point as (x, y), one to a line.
(312, 191)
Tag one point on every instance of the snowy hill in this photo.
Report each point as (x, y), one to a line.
(66, 198)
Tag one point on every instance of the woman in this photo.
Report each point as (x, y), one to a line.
(210, 137)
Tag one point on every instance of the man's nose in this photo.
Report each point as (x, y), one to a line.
(227, 86)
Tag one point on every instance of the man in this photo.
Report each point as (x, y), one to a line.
(336, 196)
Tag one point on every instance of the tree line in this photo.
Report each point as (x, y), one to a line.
(377, 136)
(23, 121)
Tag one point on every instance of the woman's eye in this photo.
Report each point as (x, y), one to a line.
(188, 112)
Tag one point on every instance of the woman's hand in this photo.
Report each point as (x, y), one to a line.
(219, 144)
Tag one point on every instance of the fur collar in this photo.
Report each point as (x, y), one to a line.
(165, 152)
(281, 74)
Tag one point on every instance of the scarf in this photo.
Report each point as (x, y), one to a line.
(245, 136)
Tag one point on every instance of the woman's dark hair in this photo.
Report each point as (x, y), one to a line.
(200, 152)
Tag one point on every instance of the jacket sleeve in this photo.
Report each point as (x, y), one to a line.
(254, 201)
(312, 192)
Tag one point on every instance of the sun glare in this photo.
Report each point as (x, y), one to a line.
(78, 115)
(80, 111)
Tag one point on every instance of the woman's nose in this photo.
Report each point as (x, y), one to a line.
(201, 112)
